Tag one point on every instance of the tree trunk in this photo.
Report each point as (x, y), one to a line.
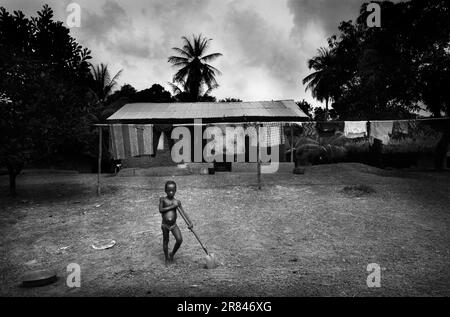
(442, 148)
(326, 109)
(13, 170)
(376, 153)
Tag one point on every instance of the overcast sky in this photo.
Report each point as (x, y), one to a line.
(265, 44)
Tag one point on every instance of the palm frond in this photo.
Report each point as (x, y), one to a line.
(181, 74)
(210, 57)
(177, 60)
(182, 52)
(188, 46)
(175, 89)
(213, 69)
(208, 91)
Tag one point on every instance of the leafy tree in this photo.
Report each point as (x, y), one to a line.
(321, 115)
(392, 71)
(305, 107)
(102, 85)
(156, 93)
(321, 81)
(195, 73)
(230, 100)
(127, 92)
(44, 105)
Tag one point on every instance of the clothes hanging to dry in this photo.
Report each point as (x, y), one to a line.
(161, 142)
(128, 140)
(308, 130)
(329, 128)
(355, 129)
(271, 134)
(162, 130)
(233, 139)
(400, 128)
(381, 130)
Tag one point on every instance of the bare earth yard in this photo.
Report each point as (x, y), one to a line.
(301, 235)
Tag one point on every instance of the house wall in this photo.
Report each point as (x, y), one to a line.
(163, 157)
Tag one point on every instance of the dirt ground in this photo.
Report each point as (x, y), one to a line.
(301, 235)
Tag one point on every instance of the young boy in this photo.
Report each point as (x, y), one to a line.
(168, 208)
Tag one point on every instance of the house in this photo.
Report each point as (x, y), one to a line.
(166, 116)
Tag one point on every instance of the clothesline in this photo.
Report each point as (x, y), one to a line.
(390, 120)
(310, 121)
(257, 122)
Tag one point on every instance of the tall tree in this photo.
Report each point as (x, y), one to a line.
(156, 93)
(389, 72)
(44, 104)
(195, 73)
(321, 81)
(103, 83)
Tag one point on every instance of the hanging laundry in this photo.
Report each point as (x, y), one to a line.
(271, 134)
(400, 128)
(238, 140)
(214, 140)
(251, 132)
(381, 130)
(128, 140)
(161, 142)
(355, 129)
(308, 130)
(329, 128)
(412, 125)
(231, 134)
(158, 130)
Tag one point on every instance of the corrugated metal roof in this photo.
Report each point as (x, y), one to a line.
(281, 109)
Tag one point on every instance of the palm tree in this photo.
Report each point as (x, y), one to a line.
(103, 84)
(321, 82)
(194, 71)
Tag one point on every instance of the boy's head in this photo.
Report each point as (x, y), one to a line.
(171, 189)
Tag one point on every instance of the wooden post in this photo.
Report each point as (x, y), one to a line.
(99, 159)
(292, 142)
(258, 147)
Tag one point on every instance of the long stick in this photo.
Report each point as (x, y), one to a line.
(258, 148)
(99, 159)
(192, 230)
(292, 143)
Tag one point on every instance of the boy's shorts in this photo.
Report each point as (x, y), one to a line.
(170, 228)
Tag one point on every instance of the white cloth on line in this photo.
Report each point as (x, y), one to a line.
(161, 142)
(355, 129)
(381, 131)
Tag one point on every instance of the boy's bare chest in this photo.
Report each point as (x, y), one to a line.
(168, 202)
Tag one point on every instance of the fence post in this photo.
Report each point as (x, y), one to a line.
(99, 159)
(292, 142)
(258, 148)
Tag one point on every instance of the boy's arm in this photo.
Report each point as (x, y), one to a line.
(163, 209)
(189, 222)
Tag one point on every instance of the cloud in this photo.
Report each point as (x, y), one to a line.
(100, 26)
(261, 48)
(265, 43)
(115, 30)
(326, 14)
